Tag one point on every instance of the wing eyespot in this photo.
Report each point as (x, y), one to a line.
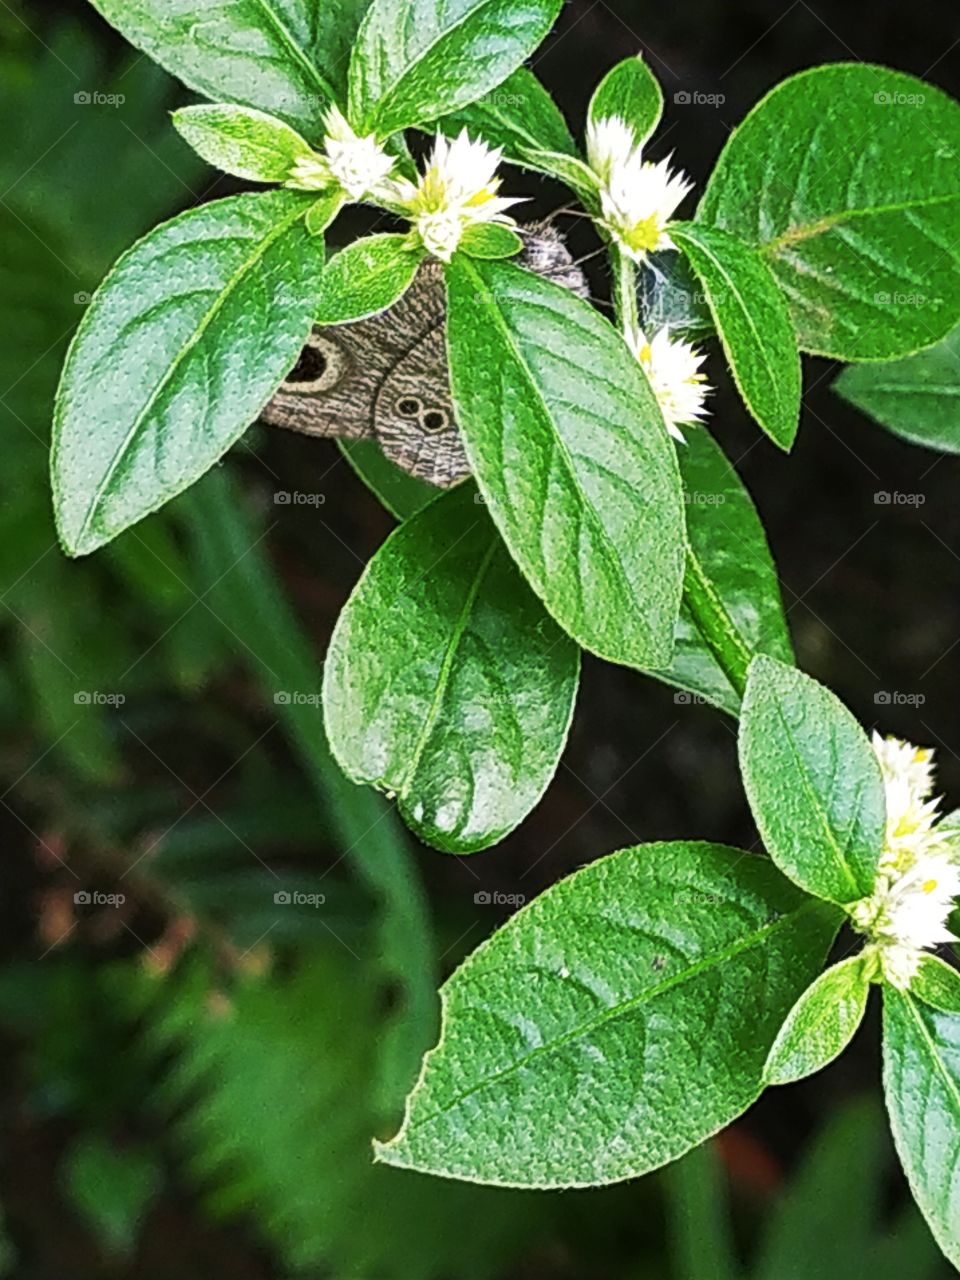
(434, 420)
(409, 407)
(323, 363)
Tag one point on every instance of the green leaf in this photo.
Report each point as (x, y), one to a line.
(921, 1082)
(570, 170)
(568, 446)
(323, 211)
(937, 984)
(813, 782)
(662, 974)
(821, 1024)
(446, 682)
(727, 538)
(239, 140)
(365, 278)
(401, 493)
(631, 91)
(490, 240)
(180, 349)
(753, 322)
(286, 57)
(417, 60)
(917, 398)
(847, 177)
(515, 115)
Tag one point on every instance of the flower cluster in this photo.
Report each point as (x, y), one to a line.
(919, 877)
(637, 198)
(673, 369)
(359, 166)
(457, 189)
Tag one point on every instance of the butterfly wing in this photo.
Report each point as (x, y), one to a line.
(386, 378)
(415, 422)
(332, 389)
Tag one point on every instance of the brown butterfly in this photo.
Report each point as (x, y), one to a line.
(386, 378)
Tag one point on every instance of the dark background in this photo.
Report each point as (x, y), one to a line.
(871, 593)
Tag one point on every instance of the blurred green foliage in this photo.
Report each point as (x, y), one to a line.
(833, 1220)
(287, 1037)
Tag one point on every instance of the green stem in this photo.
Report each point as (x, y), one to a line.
(708, 611)
(625, 291)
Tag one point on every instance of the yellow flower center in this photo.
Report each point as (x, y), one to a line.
(644, 236)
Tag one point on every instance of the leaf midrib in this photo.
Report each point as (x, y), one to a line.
(292, 46)
(795, 235)
(818, 808)
(446, 667)
(561, 446)
(626, 1006)
(222, 297)
(910, 389)
(932, 1047)
(383, 102)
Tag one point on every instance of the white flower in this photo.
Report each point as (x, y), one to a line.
(673, 368)
(457, 189)
(359, 166)
(610, 142)
(908, 783)
(637, 198)
(918, 875)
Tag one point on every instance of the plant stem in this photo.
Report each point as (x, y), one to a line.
(718, 629)
(625, 291)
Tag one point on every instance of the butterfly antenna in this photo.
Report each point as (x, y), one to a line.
(564, 212)
(588, 257)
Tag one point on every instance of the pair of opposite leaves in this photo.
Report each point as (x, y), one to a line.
(386, 378)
